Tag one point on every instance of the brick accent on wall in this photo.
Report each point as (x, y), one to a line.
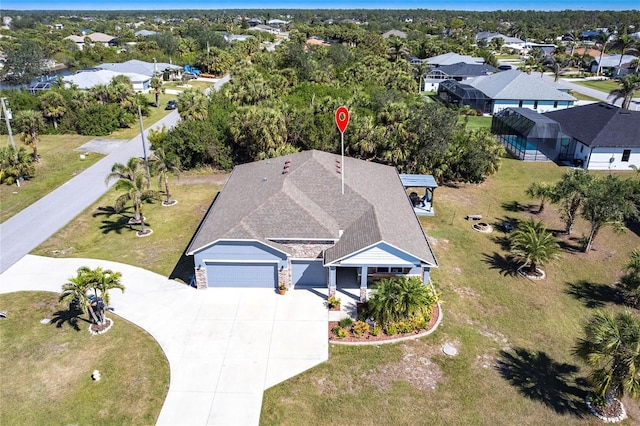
(201, 279)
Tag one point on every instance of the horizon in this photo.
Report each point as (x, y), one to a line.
(464, 5)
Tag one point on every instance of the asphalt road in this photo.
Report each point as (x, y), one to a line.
(32, 226)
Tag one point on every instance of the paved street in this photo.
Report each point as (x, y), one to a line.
(33, 225)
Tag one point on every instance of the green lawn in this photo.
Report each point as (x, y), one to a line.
(601, 85)
(46, 368)
(475, 122)
(155, 114)
(514, 336)
(59, 162)
(100, 233)
(176, 85)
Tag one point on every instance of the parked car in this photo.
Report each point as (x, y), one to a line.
(172, 104)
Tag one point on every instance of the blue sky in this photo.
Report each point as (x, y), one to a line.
(316, 4)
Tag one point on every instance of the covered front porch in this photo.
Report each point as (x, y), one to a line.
(358, 280)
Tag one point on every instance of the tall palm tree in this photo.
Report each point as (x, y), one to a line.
(541, 190)
(53, 106)
(604, 38)
(628, 86)
(163, 164)
(533, 245)
(611, 346)
(74, 292)
(102, 282)
(192, 105)
(156, 87)
(631, 279)
(134, 181)
(625, 43)
(29, 123)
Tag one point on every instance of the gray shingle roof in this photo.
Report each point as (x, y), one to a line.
(453, 58)
(600, 125)
(515, 84)
(137, 67)
(462, 69)
(261, 202)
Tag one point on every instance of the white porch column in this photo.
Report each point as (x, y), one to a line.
(363, 283)
(332, 280)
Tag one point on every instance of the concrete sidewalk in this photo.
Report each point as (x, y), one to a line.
(224, 346)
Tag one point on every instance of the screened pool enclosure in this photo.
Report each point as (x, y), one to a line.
(531, 136)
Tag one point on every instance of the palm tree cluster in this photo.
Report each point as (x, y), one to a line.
(400, 299)
(89, 291)
(629, 85)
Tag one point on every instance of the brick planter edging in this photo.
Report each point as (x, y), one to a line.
(394, 340)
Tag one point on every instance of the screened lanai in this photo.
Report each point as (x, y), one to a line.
(531, 136)
(461, 94)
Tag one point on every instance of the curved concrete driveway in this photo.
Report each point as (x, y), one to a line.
(224, 346)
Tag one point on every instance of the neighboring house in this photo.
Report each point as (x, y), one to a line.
(508, 89)
(140, 67)
(509, 42)
(394, 33)
(287, 220)
(58, 26)
(88, 79)
(145, 33)
(265, 28)
(452, 58)
(459, 72)
(277, 22)
(597, 136)
(235, 37)
(609, 65)
(101, 38)
(316, 41)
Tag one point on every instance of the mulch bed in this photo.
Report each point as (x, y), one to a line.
(99, 328)
(382, 336)
(612, 410)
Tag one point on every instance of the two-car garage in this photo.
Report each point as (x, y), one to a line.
(236, 274)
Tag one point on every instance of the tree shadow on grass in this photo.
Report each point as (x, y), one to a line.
(506, 265)
(595, 295)
(515, 206)
(540, 378)
(69, 316)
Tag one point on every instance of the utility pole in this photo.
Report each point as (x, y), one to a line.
(7, 117)
(144, 147)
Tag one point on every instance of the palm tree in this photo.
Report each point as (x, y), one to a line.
(29, 123)
(134, 181)
(611, 346)
(630, 281)
(53, 106)
(15, 165)
(533, 245)
(163, 164)
(569, 194)
(74, 293)
(541, 190)
(192, 105)
(604, 39)
(628, 86)
(398, 49)
(399, 299)
(156, 86)
(102, 282)
(625, 43)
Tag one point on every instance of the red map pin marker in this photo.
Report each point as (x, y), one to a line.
(342, 118)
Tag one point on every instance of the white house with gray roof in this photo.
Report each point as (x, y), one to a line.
(286, 220)
(139, 67)
(90, 78)
(508, 89)
(453, 58)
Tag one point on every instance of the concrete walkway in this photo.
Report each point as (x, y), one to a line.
(224, 346)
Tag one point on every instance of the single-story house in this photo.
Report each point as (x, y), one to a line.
(613, 65)
(452, 58)
(140, 67)
(310, 219)
(459, 72)
(508, 89)
(509, 42)
(597, 136)
(145, 33)
(88, 79)
(102, 38)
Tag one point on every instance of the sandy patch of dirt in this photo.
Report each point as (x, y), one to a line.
(415, 367)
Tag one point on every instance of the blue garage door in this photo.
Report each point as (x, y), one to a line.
(241, 275)
(309, 273)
